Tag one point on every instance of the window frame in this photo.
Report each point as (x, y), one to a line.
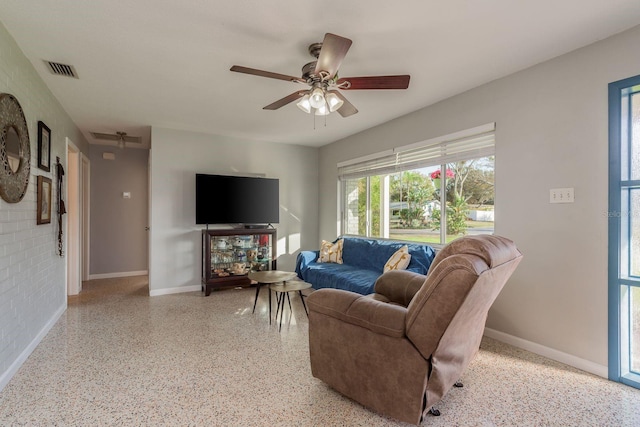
(620, 281)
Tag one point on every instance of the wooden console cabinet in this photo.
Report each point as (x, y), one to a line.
(229, 255)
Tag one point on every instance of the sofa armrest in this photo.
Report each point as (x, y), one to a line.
(304, 259)
(399, 286)
(360, 310)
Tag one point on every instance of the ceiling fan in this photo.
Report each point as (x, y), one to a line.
(321, 75)
(120, 137)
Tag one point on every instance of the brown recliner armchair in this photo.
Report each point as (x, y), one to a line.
(399, 351)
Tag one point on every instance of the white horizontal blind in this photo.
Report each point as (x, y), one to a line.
(471, 144)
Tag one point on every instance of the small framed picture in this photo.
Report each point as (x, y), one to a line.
(44, 200)
(44, 147)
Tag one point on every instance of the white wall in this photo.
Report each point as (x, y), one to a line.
(551, 132)
(176, 156)
(118, 237)
(32, 276)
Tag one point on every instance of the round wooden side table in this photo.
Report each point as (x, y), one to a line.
(283, 289)
(269, 277)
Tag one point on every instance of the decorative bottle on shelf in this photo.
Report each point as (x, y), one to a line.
(263, 252)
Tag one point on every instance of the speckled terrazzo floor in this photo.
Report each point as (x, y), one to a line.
(119, 357)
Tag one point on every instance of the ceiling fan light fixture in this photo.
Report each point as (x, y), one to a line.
(304, 104)
(317, 98)
(321, 77)
(334, 102)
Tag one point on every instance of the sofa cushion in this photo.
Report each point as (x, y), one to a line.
(372, 254)
(340, 276)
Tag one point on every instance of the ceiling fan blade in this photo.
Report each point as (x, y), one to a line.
(347, 108)
(375, 82)
(334, 49)
(253, 71)
(286, 100)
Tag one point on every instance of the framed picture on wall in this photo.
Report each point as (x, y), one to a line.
(44, 200)
(44, 147)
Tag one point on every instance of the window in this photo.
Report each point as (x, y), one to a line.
(400, 193)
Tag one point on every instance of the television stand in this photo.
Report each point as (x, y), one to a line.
(228, 255)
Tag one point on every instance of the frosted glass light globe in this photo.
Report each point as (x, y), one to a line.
(334, 102)
(317, 98)
(322, 111)
(304, 104)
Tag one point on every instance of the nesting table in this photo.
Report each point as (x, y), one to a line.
(282, 283)
(282, 290)
(268, 278)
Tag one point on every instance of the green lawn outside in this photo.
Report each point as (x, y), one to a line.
(421, 238)
(427, 235)
(479, 224)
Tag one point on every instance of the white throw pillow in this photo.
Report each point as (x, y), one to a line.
(331, 252)
(399, 260)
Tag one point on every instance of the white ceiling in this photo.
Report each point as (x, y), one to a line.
(166, 63)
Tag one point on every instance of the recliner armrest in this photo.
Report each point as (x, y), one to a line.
(399, 286)
(360, 310)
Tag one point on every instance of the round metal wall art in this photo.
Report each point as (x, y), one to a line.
(14, 167)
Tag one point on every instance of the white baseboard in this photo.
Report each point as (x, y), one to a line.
(6, 376)
(121, 274)
(178, 290)
(559, 356)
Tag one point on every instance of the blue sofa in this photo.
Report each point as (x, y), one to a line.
(363, 262)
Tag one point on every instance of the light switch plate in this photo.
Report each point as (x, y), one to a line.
(126, 195)
(561, 195)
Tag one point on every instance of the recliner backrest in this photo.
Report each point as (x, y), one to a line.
(446, 318)
(461, 339)
(494, 250)
(452, 276)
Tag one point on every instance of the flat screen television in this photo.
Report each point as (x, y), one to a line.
(225, 199)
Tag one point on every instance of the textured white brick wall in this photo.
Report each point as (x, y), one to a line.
(32, 276)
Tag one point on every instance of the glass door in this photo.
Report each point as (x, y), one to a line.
(624, 231)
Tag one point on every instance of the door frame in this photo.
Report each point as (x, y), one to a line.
(616, 215)
(85, 174)
(73, 242)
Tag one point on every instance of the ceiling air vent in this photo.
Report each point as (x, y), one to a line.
(61, 69)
